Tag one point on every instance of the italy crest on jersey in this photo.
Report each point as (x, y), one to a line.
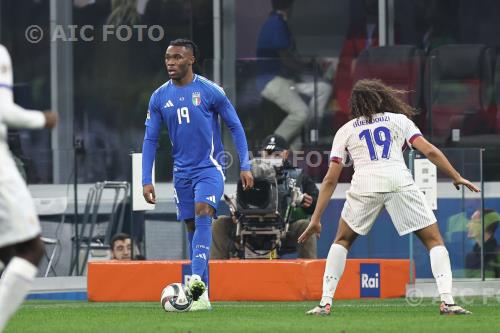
(196, 98)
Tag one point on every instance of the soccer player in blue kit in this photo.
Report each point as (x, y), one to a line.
(190, 106)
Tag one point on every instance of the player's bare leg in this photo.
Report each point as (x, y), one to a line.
(190, 227)
(21, 262)
(334, 268)
(441, 268)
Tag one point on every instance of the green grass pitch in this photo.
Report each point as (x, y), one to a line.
(372, 315)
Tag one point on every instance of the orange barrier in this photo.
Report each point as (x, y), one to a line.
(248, 280)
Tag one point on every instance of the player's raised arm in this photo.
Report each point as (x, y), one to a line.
(228, 114)
(437, 157)
(153, 127)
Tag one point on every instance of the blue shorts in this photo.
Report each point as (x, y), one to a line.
(205, 186)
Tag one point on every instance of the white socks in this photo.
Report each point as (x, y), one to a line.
(335, 264)
(441, 269)
(14, 285)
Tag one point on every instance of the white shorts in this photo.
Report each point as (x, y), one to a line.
(18, 218)
(408, 209)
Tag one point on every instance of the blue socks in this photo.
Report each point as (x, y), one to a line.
(200, 246)
(204, 277)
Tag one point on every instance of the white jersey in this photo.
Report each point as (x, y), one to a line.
(18, 219)
(376, 148)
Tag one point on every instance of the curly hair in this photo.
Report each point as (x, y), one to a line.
(371, 96)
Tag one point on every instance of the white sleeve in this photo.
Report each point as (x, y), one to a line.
(339, 147)
(411, 132)
(15, 116)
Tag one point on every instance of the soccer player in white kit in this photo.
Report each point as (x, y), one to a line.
(21, 248)
(375, 139)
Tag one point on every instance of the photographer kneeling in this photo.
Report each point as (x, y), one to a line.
(224, 240)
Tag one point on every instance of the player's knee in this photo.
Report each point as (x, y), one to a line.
(32, 250)
(6, 254)
(38, 251)
(433, 242)
(190, 225)
(344, 241)
(204, 209)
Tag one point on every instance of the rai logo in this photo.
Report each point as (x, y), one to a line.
(196, 98)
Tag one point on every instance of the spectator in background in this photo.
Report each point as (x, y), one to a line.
(491, 249)
(362, 34)
(280, 69)
(121, 247)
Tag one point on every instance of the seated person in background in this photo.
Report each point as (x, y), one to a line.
(224, 240)
(280, 71)
(121, 248)
(491, 249)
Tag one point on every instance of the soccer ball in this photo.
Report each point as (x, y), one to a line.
(174, 298)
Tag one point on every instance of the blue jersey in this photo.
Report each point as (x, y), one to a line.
(191, 115)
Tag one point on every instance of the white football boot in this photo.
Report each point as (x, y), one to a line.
(320, 310)
(452, 309)
(202, 304)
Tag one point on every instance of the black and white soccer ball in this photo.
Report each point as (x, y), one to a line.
(175, 298)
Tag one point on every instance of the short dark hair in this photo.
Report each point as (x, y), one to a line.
(187, 43)
(118, 237)
(281, 4)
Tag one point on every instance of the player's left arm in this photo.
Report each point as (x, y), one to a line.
(415, 139)
(437, 157)
(224, 107)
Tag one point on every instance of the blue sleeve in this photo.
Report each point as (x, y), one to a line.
(280, 36)
(153, 127)
(274, 35)
(224, 107)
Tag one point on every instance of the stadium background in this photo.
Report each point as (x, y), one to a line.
(101, 89)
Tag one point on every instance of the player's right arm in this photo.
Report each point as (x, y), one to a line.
(15, 116)
(153, 127)
(325, 194)
(437, 157)
(338, 156)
